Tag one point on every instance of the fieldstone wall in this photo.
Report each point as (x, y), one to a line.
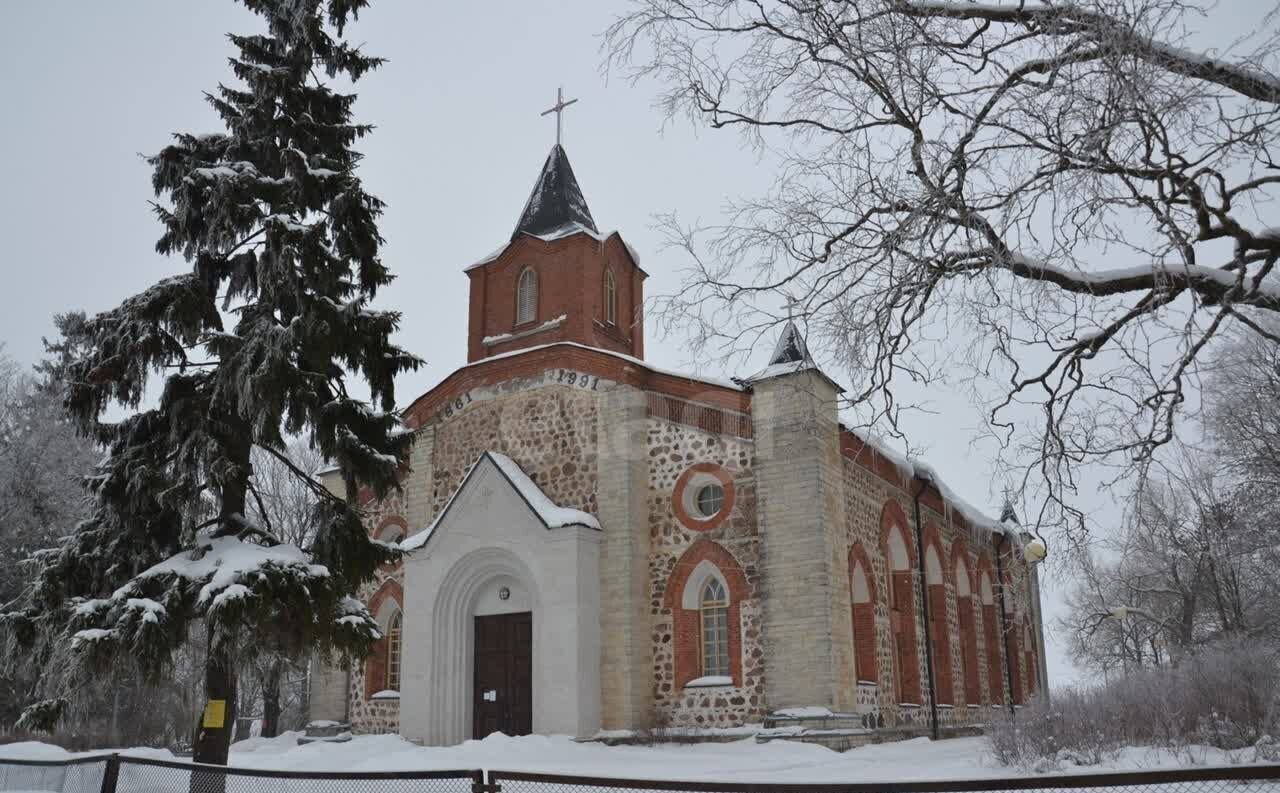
(549, 429)
(866, 492)
(379, 715)
(865, 497)
(672, 449)
(562, 427)
(375, 716)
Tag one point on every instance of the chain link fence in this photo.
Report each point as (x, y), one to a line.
(1236, 779)
(82, 775)
(115, 774)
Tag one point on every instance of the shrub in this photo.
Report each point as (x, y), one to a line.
(1223, 696)
(1076, 727)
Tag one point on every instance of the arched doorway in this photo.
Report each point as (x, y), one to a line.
(502, 652)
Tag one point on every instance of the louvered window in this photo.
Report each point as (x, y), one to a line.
(610, 298)
(527, 297)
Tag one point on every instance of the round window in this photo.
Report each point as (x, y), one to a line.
(703, 497)
(709, 499)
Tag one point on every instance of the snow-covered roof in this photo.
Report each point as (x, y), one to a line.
(556, 209)
(567, 230)
(912, 468)
(790, 347)
(790, 355)
(715, 381)
(556, 200)
(552, 515)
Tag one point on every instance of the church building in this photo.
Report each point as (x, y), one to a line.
(594, 543)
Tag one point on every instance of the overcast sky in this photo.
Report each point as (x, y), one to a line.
(89, 86)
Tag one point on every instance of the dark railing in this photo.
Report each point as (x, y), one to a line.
(110, 773)
(81, 775)
(1193, 780)
(115, 774)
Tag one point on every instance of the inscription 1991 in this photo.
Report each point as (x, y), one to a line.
(562, 376)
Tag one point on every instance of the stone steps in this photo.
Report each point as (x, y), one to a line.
(820, 721)
(326, 732)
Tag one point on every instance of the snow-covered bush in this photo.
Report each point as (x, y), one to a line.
(1222, 697)
(1077, 727)
(1267, 750)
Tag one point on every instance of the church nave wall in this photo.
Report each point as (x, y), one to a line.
(383, 596)
(682, 547)
(868, 490)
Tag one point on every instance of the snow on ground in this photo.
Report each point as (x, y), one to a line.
(743, 761)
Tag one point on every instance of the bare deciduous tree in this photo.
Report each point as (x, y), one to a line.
(284, 504)
(1063, 197)
(1194, 566)
(42, 462)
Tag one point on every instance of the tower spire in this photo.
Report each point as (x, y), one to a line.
(556, 205)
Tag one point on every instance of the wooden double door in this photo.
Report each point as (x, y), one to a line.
(503, 694)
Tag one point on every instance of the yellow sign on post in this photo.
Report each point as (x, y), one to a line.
(215, 714)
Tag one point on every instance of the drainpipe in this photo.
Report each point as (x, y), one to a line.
(1003, 649)
(924, 611)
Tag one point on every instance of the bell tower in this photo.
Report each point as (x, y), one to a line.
(557, 279)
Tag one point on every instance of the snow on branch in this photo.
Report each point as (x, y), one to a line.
(224, 562)
(1070, 19)
(1216, 284)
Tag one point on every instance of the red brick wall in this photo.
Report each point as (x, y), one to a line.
(864, 617)
(941, 639)
(570, 274)
(969, 651)
(902, 616)
(902, 606)
(1013, 646)
(375, 665)
(939, 631)
(688, 622)
(697, 403)
(995, 679)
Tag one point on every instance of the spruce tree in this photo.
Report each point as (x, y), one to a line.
(255, 344)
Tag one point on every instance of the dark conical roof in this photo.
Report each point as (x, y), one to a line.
(790, 347)
(1007, 515)
(556, 201)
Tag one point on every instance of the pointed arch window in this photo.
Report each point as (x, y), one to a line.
(939, 631)
(527, 297)
(902, 615)
(610, 298)
(968, 631)
(990, 633)
(393, 651)
(863, 594)
(714, 607)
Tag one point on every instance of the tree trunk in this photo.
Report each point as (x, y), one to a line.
(271, 700)
(217, 723)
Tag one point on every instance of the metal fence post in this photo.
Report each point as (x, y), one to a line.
(111, 774)
(483, 782)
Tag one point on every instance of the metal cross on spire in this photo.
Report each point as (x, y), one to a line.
(791, 304)
(558, 109)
